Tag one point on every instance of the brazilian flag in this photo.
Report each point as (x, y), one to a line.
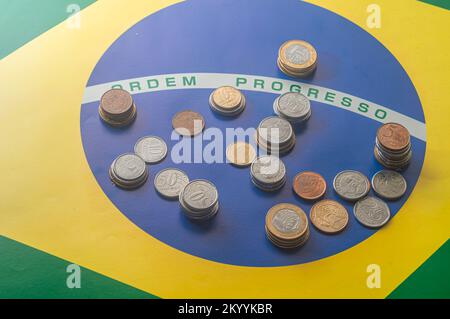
(66, 232)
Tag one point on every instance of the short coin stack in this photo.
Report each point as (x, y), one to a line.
(117, 108)
(128, 171)
(268, 173)
(393, 146)
(293, 106)
(227, 100)
(275, 135)
(297, 58)
(199, 200)
(287, 226)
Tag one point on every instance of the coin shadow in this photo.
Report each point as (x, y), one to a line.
(300, 128)
(224, 117)
(284, 251)
(198, 227)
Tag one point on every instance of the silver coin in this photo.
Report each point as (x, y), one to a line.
(275, 130)
(389, 184)
(200, 195)
(372, 212)
(351, 185)
(170, 182)
(268, 169)
(297, 54)
(151, 149)
(286, 221)
(129, 167)
(294, 105)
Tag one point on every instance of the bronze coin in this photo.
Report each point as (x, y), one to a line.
(329, 216)
(393, 136)
(116, 102)
(227, 97)
(240, 154)
(309, 185)
(188, 123)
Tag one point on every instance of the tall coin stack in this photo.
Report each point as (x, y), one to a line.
(287, 226)
(297, 58)
(393, 146)
(268, 173)
(292, 106)
(275, 135)
(117, 108)
(128, 171)
(199, 200)
(227, 101)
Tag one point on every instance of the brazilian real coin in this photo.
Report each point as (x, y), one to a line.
(351, 185)
(389, 184)
(372, 212)
(293, 106)
(329, 216)
(170, 182)
(287, 226)
(240, 154)
(151, 149)
(199, 200)
(128, 171)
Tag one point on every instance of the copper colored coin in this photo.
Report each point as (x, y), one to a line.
(393, 136)
(329, 216)
(188, 123)
(116, 102)
(309, 185)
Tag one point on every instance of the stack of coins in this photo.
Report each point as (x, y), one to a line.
(351, 185)
(268, 173)
(275, 135)
(393, 146)
(293, 106)
(128, 171)
(117, 108)
(227, 101)
(287, 226)
(199, 200)
(297, 58)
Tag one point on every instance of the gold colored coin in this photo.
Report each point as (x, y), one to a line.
(240, 154)
(298, 55)
(287, 222)
(227, 97)
(329, 216)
